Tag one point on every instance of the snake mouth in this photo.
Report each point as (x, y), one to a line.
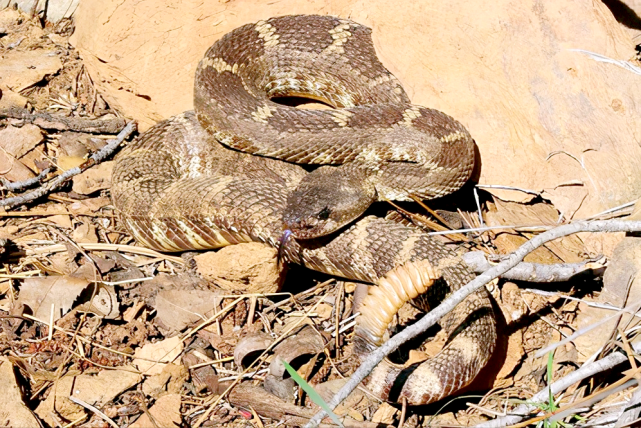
(311, 227)
(309, 224)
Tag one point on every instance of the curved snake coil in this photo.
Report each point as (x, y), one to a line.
(388, 149)
(176, 188)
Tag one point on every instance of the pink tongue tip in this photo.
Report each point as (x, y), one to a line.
(282, 243)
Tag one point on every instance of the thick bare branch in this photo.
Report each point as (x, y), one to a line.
(63, 123)
(20, 185)
(532, 272)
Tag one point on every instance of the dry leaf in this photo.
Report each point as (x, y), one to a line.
(93, 179)
(152, 358)
(12, 169)
(85, 232)
(171, 380)
(59, 401)
(66, 163)
(166, 413)
(5, 285)
(41, 293)
(18, 141)
(104, 387)
(104, 303)
(13, 412)
(89, 206)
(62, 220)
(177, 309)
(569, 249)
(21, 69)
(385, 414)
(10, 99)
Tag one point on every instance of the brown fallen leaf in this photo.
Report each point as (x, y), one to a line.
(152, 358)
(58, 401)
(62, 220)
(93, 179)
(73, 144)
(166, 413)
(104, 387)
(66, 163)
(385, 414)
(500, 213)
(10, 99)
(21, 69)
(18, 141)
(85, 232)
(104, 302)
(12, 169)
(13, 412)
(170, 380)
(177, 309)
(42, 293)
(89, 206)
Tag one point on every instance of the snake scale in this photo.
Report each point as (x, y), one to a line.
(177, 188)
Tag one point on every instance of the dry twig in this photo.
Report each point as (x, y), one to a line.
(63, 123)
(20, 185)
(532, 272)
(96, 158)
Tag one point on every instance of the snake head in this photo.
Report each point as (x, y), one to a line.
(310, 223)
(326, 200)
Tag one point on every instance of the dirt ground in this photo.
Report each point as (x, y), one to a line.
(96, 331)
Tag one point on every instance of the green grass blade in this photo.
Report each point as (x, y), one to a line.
(313, 395)
(550, 376)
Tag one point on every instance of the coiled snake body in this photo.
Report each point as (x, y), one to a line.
(176, 188)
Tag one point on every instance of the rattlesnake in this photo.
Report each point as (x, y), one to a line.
(373, 130)
(176, 188)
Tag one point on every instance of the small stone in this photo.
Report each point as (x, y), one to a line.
(250, 267)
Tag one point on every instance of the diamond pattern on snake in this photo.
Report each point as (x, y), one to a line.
(230, 172)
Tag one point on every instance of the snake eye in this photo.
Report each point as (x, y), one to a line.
(324, 213)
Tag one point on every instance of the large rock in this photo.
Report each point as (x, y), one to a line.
(544, 116)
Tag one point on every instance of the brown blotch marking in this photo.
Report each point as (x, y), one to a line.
(315, 29)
